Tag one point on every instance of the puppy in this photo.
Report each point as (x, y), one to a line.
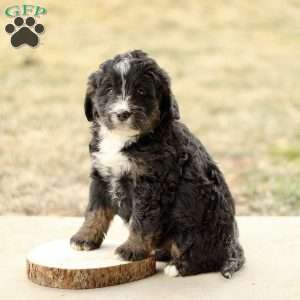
(148, 168)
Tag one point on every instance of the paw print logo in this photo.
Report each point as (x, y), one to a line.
(24, 33)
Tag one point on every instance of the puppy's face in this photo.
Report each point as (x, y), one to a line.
(129, 93)
(126, 97)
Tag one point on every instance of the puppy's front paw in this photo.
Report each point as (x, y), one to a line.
(80, 242)
(129, 251)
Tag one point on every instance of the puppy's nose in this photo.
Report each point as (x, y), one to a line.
(124, 115)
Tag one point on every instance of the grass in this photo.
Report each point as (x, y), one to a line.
(235, 72)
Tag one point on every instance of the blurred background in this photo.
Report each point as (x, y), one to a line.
(235, 69)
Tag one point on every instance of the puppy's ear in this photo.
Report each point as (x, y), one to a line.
(90, 92)
(94, 81)
(168, 107)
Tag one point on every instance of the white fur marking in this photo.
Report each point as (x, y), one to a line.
(110, 161)
(227, 275)
(123, 67)
(171, 271)
(121, 105)
(123, 87)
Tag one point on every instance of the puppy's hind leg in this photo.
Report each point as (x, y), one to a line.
(179, 263)
(163, 252)
(190, 258)
(162, 255)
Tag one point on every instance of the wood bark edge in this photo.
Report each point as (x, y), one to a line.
(90, 278)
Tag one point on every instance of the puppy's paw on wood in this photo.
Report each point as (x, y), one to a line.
(80, 243)
(129, 251)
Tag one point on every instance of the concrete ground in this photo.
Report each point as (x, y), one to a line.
(272, 271)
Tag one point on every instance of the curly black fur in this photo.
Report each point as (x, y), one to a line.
(174, 197)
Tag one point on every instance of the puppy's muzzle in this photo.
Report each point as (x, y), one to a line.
(123, 115)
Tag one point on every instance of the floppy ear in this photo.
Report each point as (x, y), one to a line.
(169, 107)
(90, 92)
(94, 81)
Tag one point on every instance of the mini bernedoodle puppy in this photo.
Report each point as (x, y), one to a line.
(148, 168)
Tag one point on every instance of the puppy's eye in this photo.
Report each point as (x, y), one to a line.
(141, 91)
(108, 90)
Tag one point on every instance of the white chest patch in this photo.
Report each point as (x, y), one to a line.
(110, 160)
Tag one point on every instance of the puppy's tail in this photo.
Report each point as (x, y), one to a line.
(236, 257)
(234, 262)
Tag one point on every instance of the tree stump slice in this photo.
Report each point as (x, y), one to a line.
(57, 265)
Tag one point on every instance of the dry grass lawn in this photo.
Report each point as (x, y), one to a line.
(235, 68)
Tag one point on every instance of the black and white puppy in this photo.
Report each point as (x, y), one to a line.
(148, 168)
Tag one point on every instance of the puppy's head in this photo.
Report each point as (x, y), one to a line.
(130, 92)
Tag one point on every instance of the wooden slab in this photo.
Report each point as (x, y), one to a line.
(56, 264)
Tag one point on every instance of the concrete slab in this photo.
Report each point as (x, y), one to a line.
(272, 271)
